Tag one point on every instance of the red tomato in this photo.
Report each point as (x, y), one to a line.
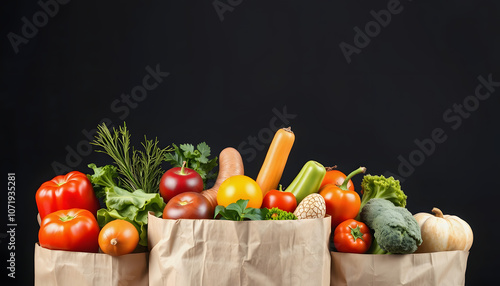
(352, 236)
(337, 178)
(72, 190)
(189, 205)
(72, 230)
(278, 199)
(179, 180)
(340, 205)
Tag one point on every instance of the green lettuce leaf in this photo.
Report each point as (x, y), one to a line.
(132, 207)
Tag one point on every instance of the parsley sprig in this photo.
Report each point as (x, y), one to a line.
(196, 159)
(238, 211)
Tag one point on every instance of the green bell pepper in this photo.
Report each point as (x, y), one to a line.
(307, 181)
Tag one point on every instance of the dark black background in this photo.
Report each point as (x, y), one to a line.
(226, 78)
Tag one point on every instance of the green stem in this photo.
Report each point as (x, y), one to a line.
(182, 172)
(356, 233)
(66, 218)
(352, 174)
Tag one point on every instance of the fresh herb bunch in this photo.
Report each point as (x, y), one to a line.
(238, 211)
(196, 159)
(138, 169)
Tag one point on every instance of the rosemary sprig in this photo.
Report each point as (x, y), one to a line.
(138, 169)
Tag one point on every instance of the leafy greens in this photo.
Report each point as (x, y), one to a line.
(238, 211)
(122, 204)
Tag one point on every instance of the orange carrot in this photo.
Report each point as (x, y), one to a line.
(275, 161)
(230, 164)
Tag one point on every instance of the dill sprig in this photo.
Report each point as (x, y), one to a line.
(138, 169)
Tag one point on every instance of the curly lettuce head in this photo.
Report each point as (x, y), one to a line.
(381, 187)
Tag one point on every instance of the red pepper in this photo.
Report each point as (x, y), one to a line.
(73, 190)
(352, 236)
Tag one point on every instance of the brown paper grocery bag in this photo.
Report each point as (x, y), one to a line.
(218, 252)
(436, 268)
(63, 268)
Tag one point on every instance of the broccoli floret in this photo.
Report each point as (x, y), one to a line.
(395, 228)
(277, 214)
(383, 188)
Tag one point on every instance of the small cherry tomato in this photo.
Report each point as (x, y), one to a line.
(118, 237)
(352, 236)
(189, 205)
(72, 230)
(337, 178)
(285, 201)
(239, 187)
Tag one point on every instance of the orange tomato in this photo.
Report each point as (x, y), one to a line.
(337, 178)
(118, 237)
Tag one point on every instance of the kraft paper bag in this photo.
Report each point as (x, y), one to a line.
(63, 268)
(220, 252)
(436, 268)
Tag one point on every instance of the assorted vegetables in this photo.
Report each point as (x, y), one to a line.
(136, 185)
(122, 204)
